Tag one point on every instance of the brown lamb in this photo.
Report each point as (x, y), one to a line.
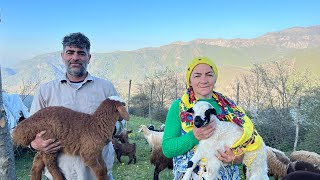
(160, 162)
(79, 134)
(125, 149)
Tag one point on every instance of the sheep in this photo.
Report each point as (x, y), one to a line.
(21, 117)
(300, 175)
(125, 149)
(123, 136)
(79, 134)
(279, 165)
(278, 162)
(305, 156)
(160, 162)
(153, 128)
(153, 138)
(157, 158)
(304, 166)
(203, 113)
(162, 127)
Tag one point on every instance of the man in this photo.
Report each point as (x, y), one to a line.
(77, 90)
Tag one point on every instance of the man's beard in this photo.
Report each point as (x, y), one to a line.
(77, 72)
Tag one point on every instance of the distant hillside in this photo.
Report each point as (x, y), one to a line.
(233, 57)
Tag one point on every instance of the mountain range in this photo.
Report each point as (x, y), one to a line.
(232, 56)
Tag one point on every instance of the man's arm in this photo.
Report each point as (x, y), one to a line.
(39, 144)
(37, 102)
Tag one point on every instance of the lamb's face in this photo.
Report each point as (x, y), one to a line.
(118, 109)
(202, 112)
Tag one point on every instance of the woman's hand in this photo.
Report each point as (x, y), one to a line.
(229, 157)
(204, 132)
(47, 146)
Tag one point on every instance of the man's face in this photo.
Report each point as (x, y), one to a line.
(76, 60)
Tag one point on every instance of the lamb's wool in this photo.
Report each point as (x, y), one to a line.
(153, 138)
(306, 156)
(125, 149)
(160, 162)
(79, 134)
(301, 175)
(278, 163)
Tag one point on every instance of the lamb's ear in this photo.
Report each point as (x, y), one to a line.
(213, 111)
(190, 110)
(123, 112)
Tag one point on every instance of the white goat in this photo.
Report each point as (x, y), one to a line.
(226, 133)
(154, 138)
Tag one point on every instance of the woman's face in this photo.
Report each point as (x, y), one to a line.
(202, 80)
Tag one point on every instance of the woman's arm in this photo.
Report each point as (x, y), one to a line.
(173, 144)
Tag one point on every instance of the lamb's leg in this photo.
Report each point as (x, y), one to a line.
(192, 164)
(213, 166)
(37, 167)
(119, 158)
(97, 165)
(130, 160)
(258, 169)
(50, 161)
(156, 173)
(134, 159)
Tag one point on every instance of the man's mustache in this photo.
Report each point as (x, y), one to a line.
(75, 62)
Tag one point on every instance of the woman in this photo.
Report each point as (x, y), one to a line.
(181, 137)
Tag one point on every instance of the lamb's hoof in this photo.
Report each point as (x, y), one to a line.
(190, 164)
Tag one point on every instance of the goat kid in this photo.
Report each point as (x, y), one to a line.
(79, 134)
(226, 133)
(123, 137)
(125, 149)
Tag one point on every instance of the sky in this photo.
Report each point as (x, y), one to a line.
(33, 27)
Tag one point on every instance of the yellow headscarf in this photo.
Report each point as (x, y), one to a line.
(200, 60)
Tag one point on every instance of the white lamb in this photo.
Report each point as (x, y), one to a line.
(226, 133)
(154, 138)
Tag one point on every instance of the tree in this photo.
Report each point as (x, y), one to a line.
(271, 92)
(159, 89)
(7, 163)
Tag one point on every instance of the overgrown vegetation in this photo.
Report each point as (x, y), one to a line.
(283, 104)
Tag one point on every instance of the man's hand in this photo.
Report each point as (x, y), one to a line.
(204, 132)
(229, 157)
(46, 146)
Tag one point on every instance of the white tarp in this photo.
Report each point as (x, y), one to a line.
(13, 105)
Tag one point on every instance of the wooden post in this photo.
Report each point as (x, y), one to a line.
(7, 162)
(128, 103)
(297, 121)
(238, 92)
(150, 102)
(129, 94)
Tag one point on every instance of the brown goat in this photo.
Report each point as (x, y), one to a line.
(160, 162)
(123, 137)
(79, 134)
(125, 149)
